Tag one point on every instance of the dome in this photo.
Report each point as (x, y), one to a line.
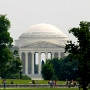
(43, 30)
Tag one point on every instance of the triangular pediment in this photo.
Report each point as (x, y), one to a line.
(41, 44)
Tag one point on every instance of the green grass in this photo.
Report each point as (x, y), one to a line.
(46, 89)
(18, 81)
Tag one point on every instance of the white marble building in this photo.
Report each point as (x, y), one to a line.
(38, 39)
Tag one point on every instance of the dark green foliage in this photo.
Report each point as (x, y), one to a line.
(62, 69)
(81, 51)
(24, 77)
(9, 62)
(56, 66)
(47, 70)
(68, 69)
(5, 39)
(13, 66)
(17, 76)
(5, 42)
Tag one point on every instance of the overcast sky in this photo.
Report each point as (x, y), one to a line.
(64, 14)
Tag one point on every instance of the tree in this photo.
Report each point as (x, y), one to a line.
(56, 67)
(59, 69)
(5, 42)
(9, 61)
(47, 70)
(13, 66)
(68, 69)
(81, 51)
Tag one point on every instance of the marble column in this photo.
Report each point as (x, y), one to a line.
(59, 56)
(39, 63)
(20, 55)
(52, 55)
(32, 63)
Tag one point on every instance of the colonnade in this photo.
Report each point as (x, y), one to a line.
(29, 61)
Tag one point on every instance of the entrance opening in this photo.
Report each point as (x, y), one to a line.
(43, 58)
(36, 63)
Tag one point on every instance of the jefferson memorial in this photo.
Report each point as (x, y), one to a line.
(38, 39)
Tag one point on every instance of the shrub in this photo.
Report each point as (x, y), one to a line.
(25, 77)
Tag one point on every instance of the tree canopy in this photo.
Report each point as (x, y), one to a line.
(47, 70)
(6, 56)
(81, 51)
(59, 69)
(14, 66)
(5, 42)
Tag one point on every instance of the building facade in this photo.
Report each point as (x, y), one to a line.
(38, 39)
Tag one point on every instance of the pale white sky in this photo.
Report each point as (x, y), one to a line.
(64, 14)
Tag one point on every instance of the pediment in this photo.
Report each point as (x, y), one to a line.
(41, 44)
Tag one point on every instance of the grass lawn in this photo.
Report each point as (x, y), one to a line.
(18, 81)
(45, 89)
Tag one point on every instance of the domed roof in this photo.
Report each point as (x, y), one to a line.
(43, 30)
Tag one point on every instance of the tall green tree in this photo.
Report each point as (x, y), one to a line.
(5, 42)
(9, 61)
(81, 51)
(47, 70)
